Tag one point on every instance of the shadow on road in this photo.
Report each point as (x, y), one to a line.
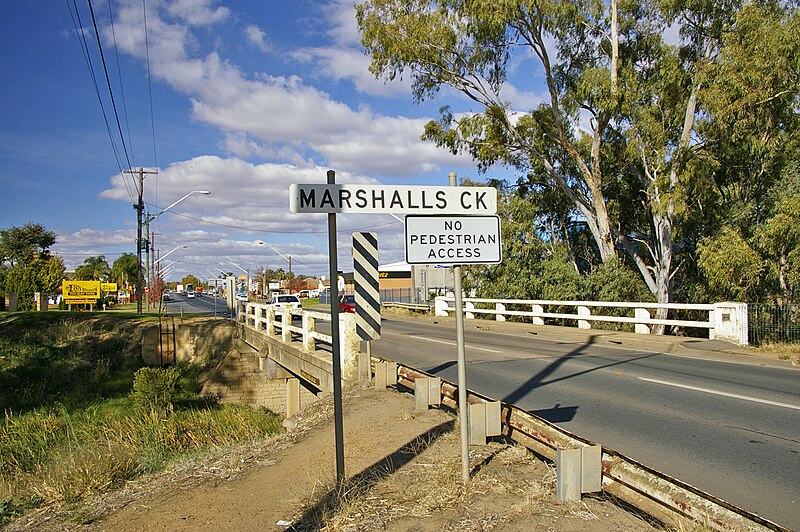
(538, 380)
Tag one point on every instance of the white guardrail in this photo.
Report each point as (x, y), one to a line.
(264, 318)
(726, 321)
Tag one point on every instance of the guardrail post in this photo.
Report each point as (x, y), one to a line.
(385, 374)
(641, 314)
(286, 322)
(270, 321)
(730, 322)
(309, 326)
(584, 324)
(568, 474)
(499, 307)
(292, 397)
(468, 307)
(427, 392)
(440, 306)
(484, 421)
(537, 311)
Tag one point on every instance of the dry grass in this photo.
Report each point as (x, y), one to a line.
(781, 351)
(509, 487)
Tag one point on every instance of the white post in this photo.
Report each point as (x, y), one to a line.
(468, 307)
(499, 307)
(537, 311)
(584, 324)
(309, 326)
(641, 314)
(730, 323)
(440, 306)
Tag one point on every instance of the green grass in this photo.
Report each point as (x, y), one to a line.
(72, 425)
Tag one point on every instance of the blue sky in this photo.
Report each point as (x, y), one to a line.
(247, 98)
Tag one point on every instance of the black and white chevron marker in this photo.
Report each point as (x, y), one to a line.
(368, 297)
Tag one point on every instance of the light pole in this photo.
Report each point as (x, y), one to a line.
(150, 218)
(247, 271)
(170, 251)
(289, 258)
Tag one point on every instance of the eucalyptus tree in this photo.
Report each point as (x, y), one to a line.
(618, 131)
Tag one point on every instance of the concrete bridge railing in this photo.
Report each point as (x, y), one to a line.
(280, 325)
(726, 321)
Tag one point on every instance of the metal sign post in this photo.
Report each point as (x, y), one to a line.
(337, 361)
(462, 364)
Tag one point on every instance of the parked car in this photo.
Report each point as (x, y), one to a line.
(347, 303)
(283, 301)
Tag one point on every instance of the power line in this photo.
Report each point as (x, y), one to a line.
(149, 83)
(108, 83)
(78, 24)
(265, 230)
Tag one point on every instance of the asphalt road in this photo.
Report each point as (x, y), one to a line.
(206, 304)
(731, 429)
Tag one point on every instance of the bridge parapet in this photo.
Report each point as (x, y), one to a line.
(725, 321)
(296, 347)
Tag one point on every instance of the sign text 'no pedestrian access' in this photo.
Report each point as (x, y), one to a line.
(392, 199)
(453, 240)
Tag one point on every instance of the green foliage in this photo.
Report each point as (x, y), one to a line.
(78, 428)
(21, 244)
(730, 265)
(683, 139)
(26, 265)
(154, 388)
(45, 358)
(93, 269)
(124, 270)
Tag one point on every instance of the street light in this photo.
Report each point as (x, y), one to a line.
(171, 251)
(150, 218)
(247, 271)
(289, 258)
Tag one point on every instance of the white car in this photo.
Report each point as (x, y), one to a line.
(281, 302)
(190, 295)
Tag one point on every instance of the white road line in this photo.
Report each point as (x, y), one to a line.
(453, 343)
(725, 394)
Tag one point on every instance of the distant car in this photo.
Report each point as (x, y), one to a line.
(285, 301)
(241, 297)
(347, 304)
(190, 295)
(167, 297)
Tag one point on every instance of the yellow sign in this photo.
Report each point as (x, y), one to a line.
(80, 290)
(80, 301)
(108, 287)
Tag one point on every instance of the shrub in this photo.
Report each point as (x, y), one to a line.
(154, 388)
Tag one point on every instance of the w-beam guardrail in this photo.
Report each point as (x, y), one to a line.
(726, 321)
(669, 500)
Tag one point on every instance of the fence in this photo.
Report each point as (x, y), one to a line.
(725, 321)
(773, 323)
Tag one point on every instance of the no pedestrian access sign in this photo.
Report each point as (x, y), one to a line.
(453, 240)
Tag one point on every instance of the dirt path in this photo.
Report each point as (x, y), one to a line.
(403, 471)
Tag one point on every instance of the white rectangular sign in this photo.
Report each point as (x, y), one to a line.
(392, 199)
(453, 240)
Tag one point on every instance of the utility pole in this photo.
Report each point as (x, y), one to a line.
(139, 211)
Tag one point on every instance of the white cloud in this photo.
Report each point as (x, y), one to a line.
(279, 111)
(197, 12)
(257, 37)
